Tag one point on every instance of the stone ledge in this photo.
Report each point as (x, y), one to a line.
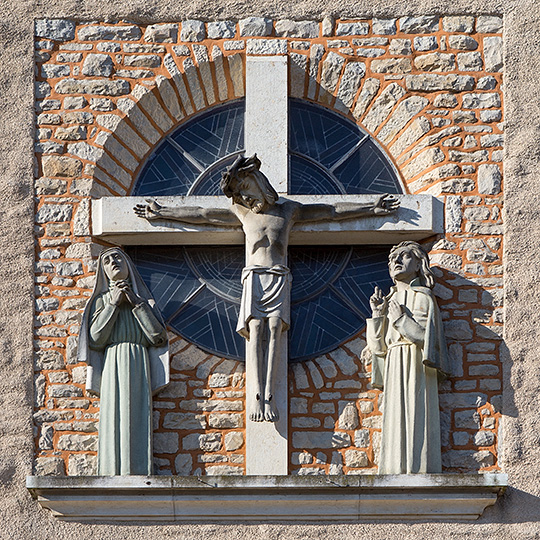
(268, 498)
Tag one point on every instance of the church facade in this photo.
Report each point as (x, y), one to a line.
(416, 102)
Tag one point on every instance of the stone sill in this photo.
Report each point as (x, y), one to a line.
(268, 498)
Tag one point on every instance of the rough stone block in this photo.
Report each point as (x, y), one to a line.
(489, 24)
(223, 470)
(183, 464)
(318, 439)
(75, 442)
(348, 416)
(161, 33)
(297, 29)
(54, 212)
(111, 33)
(233, 441)
(356, 458)
(225, 420)
(184, 421)
(55, 29)
(419, 25)
(99, 65)
(489, 179)
(352, 29)
(192, 31)
(493, 54)
(425, 43)
(305, 422)
(435, 62)
(221, 29)
(460, 23)
(255, 26)
(209, 442)
(470, 61)
(92, 86)
(435, 83)
(345, 363)
(82, 465)
(266, 46)
(384, 26)
(49, 466)
(466, 43)
(391, 65)
(165, 443)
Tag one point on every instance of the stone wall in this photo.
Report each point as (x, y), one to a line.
(428, 88)
(516, 514)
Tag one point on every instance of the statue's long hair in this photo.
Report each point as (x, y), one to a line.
(241, 168)
(424, 272)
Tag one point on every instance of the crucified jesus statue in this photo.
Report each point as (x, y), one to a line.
(267, 221)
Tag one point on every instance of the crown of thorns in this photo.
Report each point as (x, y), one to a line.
(239, 169)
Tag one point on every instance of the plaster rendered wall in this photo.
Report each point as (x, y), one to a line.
(516, 514)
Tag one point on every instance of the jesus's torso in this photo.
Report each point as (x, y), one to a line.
(267, 233)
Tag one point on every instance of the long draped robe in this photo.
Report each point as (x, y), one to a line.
(407, 356)
(125, 333)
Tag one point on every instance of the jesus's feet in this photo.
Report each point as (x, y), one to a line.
(270, 411)
(257, 414)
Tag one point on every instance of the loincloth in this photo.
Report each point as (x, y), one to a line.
(266, 293)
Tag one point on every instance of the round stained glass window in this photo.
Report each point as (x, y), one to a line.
(198, 288)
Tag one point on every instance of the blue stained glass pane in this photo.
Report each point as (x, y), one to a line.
(319, 325)
(368, 267)
(366, 171)
(168, 276)
(308, 178)
(167, 172)
(220, 268)
(210, 322)
(313, 268)
(209, 182)
(318, 133)
(213, 135)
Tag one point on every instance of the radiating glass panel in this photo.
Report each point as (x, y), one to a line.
(320, 325)
(210, 322)
(309, 178)
(365, 171)
(213, 135)
(167, 172)
(319, 133)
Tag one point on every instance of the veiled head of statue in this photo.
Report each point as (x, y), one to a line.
(407, 261)
(246, 185)
(114, 264)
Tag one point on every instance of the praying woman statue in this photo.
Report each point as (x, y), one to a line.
(124, 342)
(406, 340)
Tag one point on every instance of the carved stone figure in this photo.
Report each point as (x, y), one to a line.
(406, 340)
(124, 342)
(267, 221)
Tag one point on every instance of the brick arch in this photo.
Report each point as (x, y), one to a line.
(384, 108)
(146, 115)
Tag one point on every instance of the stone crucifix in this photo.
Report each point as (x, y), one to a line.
(266, 220)
(418, 217)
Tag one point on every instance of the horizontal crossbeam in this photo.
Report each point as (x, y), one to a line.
(419, 217)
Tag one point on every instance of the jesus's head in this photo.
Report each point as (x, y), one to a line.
(247, 185)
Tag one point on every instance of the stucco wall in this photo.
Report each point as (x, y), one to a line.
(520, 507)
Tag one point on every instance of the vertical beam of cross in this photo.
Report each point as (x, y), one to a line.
(266, 133)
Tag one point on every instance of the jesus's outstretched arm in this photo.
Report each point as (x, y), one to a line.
(196, 215)
(385, 204)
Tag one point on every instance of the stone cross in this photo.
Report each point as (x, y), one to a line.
(267, 97)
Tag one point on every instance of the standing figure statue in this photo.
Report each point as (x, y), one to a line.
(406, 340)
(267, 221)
(124, 342)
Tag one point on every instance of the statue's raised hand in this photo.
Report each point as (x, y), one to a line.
(377, 302)
(149, 211)
(386, 204)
